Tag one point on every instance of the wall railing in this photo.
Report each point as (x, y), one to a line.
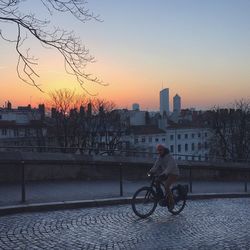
(117, 152)
(190, 167)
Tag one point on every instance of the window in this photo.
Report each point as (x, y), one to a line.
(186, 147)
(51, 139)
(27, 132)
(179, 136)
(199, 134)
(192, 146)
(0, 117)
(205, 145)
(150, 139)
(156, 139)
(16, 132)
(163, 139)
(193, 136)
(186, 136)
(179, 148)
(205, 134)
(143, 139)
(136, 140)
(4, 131)
(199, 145)
(172, 148)
(171, 137)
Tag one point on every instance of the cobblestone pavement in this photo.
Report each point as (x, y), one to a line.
(203, 224)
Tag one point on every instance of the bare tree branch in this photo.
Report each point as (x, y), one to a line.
(74, 53)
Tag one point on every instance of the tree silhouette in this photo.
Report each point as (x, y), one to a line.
(87, 124)
(231, 127)
(74, 53)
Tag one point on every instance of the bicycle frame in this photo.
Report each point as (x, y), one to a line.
(150, 196)
(158, 187)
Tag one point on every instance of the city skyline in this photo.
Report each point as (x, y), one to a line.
(164, 103)
(196, 49)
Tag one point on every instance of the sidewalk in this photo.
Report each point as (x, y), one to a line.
(49, 195)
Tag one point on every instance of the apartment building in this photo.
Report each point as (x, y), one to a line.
(185, 143)
(23, 126)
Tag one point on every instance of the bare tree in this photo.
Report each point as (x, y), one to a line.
(231, 128)
(87, 124)
(64, 104)
(101, 126)
(74, 53)
(109, 126)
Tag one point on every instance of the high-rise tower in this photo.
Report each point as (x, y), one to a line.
(164, 101)
(135, 107)
(177, 104)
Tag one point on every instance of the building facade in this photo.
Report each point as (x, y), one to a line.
(185, 143)
(188, 143)
(22, 127)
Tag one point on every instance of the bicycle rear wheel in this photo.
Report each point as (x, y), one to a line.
(179, 200)
(144, 202)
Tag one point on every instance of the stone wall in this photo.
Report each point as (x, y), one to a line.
(44, 166)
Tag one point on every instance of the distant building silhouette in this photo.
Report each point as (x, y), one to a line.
(164, 101)
(177, 104)
(135, 107)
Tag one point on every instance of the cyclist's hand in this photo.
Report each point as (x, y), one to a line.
(149, 174)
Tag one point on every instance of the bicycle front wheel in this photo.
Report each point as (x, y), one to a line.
(144, 202)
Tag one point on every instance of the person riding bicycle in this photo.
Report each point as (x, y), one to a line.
(167, 171)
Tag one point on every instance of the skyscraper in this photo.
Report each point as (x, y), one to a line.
(177, 104)
(164, 101)
(135, 107)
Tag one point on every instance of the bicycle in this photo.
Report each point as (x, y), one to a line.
(145, 199)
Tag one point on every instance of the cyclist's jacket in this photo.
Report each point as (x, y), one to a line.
(165, 165)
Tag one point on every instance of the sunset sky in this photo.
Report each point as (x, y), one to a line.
(198, 49)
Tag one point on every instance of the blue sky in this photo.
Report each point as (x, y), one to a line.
(199, 49)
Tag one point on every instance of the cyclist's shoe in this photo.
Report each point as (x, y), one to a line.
(171, 206)
(163, 202)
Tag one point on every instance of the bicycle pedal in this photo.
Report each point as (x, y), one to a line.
(163, 203)
(171, 207)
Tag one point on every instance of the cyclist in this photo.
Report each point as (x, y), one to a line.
(167, 171)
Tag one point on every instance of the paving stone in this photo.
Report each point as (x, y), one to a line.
(203, 225)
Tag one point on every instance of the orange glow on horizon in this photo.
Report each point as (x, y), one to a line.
(126, 86)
